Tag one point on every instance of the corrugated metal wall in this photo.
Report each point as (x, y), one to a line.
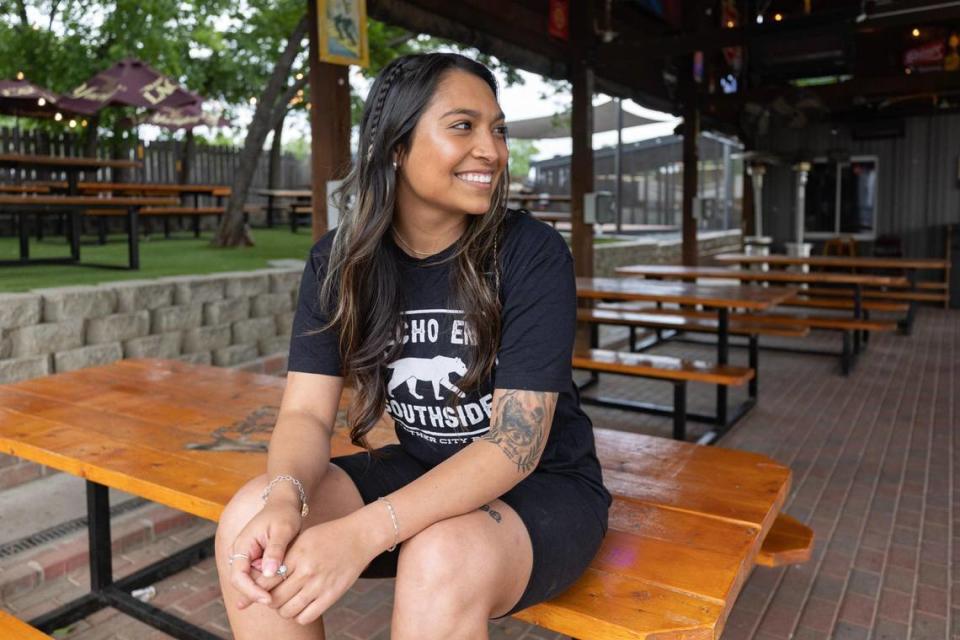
(919, 191)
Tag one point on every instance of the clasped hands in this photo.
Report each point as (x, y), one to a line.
(322, 562)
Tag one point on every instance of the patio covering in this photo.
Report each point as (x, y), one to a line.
(558, 125)
(25, 99)
(130, 82)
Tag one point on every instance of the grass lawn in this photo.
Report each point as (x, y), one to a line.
(182, 254)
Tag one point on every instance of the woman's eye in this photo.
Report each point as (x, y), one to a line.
(502, 131)
(461, 123)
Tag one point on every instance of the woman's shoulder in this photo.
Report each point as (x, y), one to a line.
(524, 235)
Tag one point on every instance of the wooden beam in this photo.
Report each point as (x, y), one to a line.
(329, 124)
(581, 130)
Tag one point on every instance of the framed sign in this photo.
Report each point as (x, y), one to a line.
(558, 19)
(343, 32)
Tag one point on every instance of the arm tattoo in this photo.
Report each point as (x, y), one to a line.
(519, 425)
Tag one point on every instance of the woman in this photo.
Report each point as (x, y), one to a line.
(457, 315)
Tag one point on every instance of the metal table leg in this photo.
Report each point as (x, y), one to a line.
(723, 357)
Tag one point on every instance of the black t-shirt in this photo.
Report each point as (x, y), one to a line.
(538, 323)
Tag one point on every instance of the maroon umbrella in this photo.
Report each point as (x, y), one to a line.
(185, 117)
(22, 98)
(130, 82)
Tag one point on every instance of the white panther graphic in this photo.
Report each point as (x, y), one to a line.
(436, 370)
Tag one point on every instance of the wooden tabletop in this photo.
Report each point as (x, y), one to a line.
(847, 262)
(731, 296)
(826, 277)
(552, 197)
(188, 436)
(83, 201)
(286, 193)
(61, 162)
(99, 187)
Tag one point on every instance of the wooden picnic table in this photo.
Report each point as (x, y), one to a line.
(841, 262)
(676, 272)
(686, 527)
(25, 205)
(297, 196)
(72, 166)
(722, 298)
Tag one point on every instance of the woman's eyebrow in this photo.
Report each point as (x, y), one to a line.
(472, 113)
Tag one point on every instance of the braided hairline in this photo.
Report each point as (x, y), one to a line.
(378, 105)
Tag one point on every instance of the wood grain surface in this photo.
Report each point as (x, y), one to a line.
(685, 529)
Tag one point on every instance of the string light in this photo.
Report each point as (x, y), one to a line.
(759, 19)
(58, 117)
(19, 75)
(730, 24)
(916, 32)
(72, 123)
(41, 102)
(253, 100)
(299, 76)
(83, 122)
(777, 17)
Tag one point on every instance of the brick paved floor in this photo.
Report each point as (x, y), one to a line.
(873, 461)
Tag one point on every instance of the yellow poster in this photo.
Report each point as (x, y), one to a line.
(343, 31)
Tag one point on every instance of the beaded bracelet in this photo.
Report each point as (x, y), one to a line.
(396, 527)
(304, 508)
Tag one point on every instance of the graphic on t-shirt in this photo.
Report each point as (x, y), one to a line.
(435, 370)
(435, 355)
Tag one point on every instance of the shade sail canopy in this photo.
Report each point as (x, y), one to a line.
(130, 82)
(185, 117)
(558, 125)
(25, 99)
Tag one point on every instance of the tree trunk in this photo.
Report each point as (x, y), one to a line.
(231, 232)
(276, 155)
(186, 160)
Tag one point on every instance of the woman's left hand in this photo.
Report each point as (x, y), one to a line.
(322, 563)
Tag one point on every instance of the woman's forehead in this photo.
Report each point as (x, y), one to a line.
(462, 90)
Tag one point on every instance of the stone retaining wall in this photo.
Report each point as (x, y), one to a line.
(608, 256)
(240, 319)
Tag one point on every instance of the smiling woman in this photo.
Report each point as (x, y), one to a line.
(456, 316)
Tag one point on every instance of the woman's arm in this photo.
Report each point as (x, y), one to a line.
(300, 443)
(482, 471)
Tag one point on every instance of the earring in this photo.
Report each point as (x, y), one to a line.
(394, 165)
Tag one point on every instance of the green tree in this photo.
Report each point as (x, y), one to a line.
(520, 153)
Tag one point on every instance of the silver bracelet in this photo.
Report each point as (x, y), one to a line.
(304, 508)
(396, 527)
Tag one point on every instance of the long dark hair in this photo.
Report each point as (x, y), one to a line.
(362, 284)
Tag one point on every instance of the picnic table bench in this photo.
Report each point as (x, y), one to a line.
(856, 328)
(720, 300)
(687, 526)
(26, 205)
(859, 264)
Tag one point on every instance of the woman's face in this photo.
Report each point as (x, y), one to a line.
(458, 150)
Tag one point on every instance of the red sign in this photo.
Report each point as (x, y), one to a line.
(928, 55)
(558, 19)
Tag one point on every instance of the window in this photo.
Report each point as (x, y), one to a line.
(841, 198)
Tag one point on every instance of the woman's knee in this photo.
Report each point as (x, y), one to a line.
(244, 504)
(437, 563)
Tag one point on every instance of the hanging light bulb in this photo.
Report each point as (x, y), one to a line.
(916, 32)
(41, 102)
(58, 117)
(72, 123)
(19, 75)
(760, 19)
(83, 122)
(777, 17)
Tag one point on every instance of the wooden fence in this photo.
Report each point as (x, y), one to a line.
(161, 160)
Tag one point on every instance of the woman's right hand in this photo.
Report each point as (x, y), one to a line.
(265, 540)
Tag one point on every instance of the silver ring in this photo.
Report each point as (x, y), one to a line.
(282, 571)
(237, 555)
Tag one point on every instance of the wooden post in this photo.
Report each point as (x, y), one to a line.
(329, 124)
(691, 131)
(581, 129)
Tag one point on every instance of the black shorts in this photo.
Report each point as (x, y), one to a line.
(559, 513)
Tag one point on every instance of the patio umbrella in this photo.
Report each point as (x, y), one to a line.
(185, 117)
(131, 83)
(21, 98)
